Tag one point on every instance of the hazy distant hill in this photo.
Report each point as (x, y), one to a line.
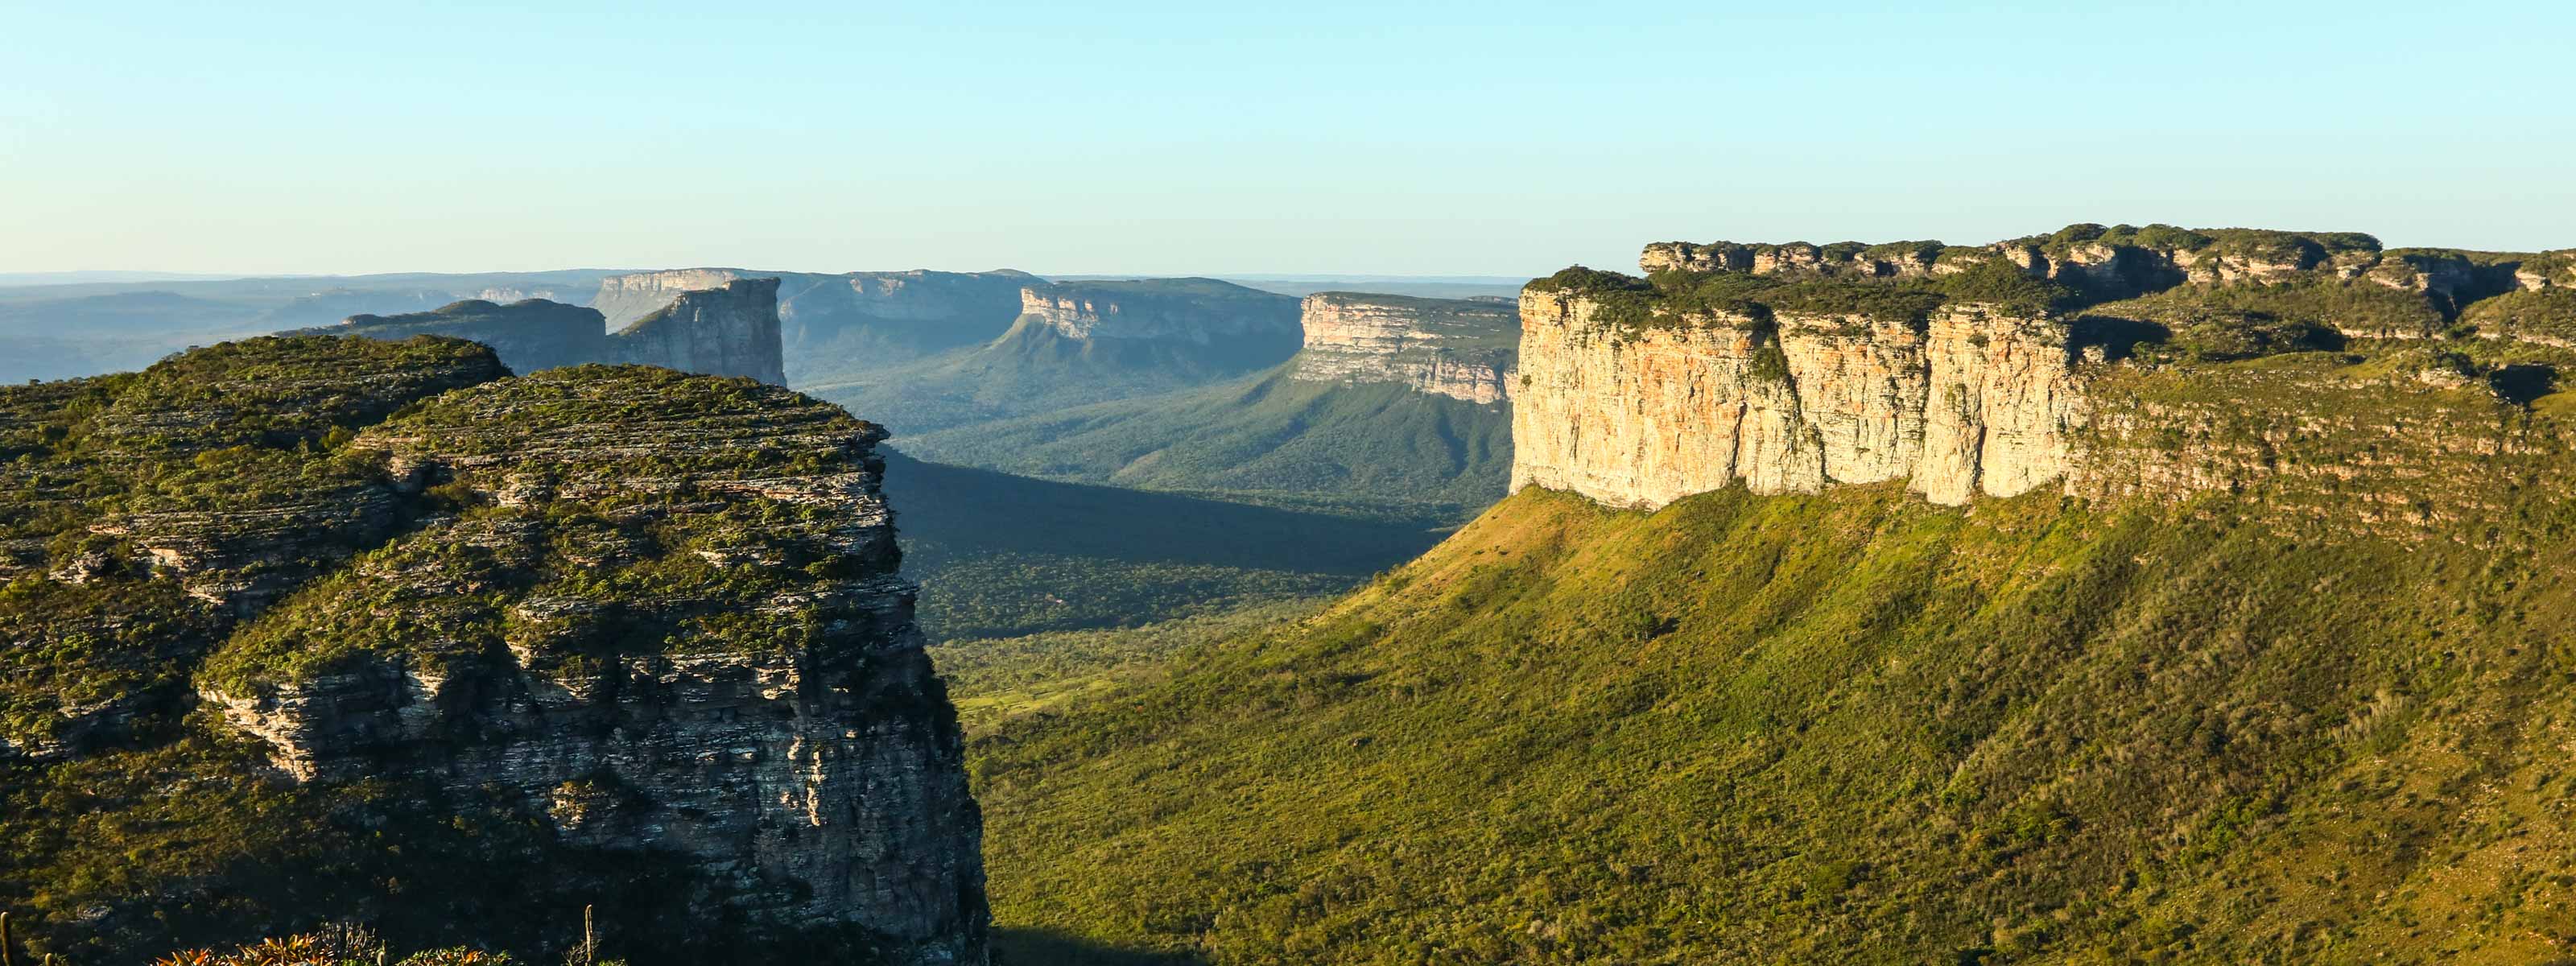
(1390, 398)
(1082, 342)
(67, 329)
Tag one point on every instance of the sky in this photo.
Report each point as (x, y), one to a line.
(1489, 138)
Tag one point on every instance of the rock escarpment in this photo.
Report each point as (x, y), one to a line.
(1462, 349)
(729, 329)
(2077, 361)
(726, 331)
(835, 326)
(1197, 311)
(642, 620)
(622, 299)
(1967, 401)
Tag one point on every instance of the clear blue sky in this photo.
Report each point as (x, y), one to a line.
(1502, 138)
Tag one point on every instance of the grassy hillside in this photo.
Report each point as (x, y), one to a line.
(1849, 727)
(1261, 432)
(1002, 555)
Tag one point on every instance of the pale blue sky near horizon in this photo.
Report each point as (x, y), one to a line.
(1491, 138)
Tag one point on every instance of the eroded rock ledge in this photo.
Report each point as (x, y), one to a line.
(659, 612)
(1458, 348)
(2315, 371)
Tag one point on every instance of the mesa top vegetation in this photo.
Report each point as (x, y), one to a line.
(2272, 290)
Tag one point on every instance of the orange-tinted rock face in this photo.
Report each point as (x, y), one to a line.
(1975, 403)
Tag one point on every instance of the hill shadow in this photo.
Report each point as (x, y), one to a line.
(1039, 947)
(967, 512)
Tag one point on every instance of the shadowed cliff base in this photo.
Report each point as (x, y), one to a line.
(1042, 947)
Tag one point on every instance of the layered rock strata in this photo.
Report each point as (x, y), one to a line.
(1457, 348)
(680, 630)
(1971, 402)
(651, 619)
(2087, 362)
(726, 331)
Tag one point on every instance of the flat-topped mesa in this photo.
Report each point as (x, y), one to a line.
(529, 334)
(1199, 311)
(622, 299)
(2085, 360)
(1961, 400)
(1458, 348)
(664, 615)
(727, 331)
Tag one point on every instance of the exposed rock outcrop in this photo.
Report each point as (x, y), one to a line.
(1462, 349)
(730, 329)
(849, 325)
(1999, 369)
(1968, 402)
(623, 299)
(727, 331)
(645, 618)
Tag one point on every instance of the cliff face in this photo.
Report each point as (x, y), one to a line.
(726, 331)
(1456, 348)
(1973, 402)
(729, 329)
(622, 299)
(2090, 361)
(1195, 311)
(840, 326)
(644, 620)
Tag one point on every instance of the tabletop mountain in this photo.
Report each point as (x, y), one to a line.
(312, 628)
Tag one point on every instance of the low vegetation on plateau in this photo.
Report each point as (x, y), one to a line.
(249, 516)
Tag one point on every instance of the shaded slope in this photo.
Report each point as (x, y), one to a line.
(1848, 727)
(1267, 432)
(998, 554)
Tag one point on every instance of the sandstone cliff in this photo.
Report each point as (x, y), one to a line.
(837, 326)
(642, 623)
(622, 299)
(1968, 401)
(1457, 348)
(2081, 361)
(731, 330)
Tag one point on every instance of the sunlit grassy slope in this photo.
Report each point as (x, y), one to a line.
(1849, 727)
